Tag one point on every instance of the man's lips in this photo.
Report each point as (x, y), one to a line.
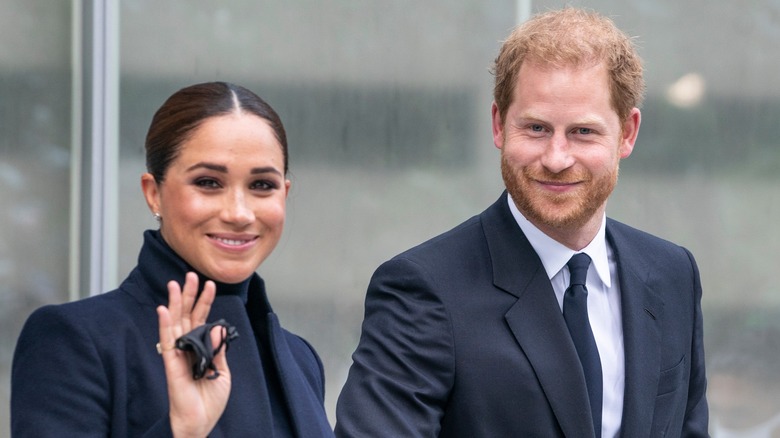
(558, 186)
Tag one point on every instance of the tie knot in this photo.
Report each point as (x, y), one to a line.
(578, 268)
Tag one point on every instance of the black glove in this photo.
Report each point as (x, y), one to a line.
(198, 342)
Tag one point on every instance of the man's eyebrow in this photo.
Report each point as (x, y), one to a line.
(586, 120)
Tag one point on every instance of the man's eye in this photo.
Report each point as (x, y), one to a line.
(537, 128)
(584, 131)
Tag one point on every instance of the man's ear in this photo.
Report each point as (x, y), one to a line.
(498, 126)
(630, 132)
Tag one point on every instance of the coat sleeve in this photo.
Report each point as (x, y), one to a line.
(696, 418)
(61, 381)
(59, 385)
(403, 367)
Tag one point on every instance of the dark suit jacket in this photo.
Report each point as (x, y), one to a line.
(90, 368)
(463, 337)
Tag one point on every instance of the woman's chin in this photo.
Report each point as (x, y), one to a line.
(230, 276)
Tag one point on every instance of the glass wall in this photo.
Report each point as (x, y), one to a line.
(35, 164)
(387, 108)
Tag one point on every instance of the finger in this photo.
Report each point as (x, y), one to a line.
(167, 338)
(189, 294)
(203, 306)
(174, 308)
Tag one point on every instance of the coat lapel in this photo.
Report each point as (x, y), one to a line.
(641, 308)
(306, 411)
(536, 320)
(249, 405)
(304, 405)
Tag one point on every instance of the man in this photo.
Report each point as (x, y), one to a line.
(476, 333)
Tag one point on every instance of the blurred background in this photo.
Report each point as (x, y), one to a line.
(387, 109)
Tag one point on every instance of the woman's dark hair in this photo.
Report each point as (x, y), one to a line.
(183, 112)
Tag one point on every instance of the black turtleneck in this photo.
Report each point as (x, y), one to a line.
(160, 264)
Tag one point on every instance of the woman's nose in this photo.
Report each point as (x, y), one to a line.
(237, 210)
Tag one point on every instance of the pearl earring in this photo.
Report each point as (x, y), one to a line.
(157, 217)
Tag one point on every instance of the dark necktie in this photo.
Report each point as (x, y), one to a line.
(575, 312)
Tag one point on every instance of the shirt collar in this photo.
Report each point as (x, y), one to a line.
(555, 255)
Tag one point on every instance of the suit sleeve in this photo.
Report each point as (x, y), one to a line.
(696, 419)
(403, 367)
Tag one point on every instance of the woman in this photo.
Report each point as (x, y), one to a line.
(216, 156)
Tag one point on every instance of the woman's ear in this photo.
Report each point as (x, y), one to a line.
(151, 192)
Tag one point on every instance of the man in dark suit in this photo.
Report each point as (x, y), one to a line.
(476, 333)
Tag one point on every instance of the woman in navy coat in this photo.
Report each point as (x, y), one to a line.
(216, 157)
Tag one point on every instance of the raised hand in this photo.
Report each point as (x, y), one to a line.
(195, 406)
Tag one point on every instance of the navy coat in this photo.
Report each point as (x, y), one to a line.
(90, 368)
(463, 337)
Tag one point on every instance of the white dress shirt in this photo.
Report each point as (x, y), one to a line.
(603, 307)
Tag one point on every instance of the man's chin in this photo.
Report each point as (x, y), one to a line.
(559, 222)
(558, 215)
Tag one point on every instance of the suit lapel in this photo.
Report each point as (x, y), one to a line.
(641, 308)
(536, 320)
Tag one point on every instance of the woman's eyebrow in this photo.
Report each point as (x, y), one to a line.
(266, 169)
(210, 166)
(223, 169)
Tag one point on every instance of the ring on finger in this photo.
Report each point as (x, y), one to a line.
(160, 348)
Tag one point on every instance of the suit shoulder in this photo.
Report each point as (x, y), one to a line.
(620, 230)
(463, 249)
(449, 243)
(626, 239)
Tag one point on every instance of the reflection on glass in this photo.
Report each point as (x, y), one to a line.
(744, 384)
(35, 119)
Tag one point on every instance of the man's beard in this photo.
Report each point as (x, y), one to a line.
(560, 211)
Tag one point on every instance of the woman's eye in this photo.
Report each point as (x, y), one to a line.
(207, 183)
(264, 185)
